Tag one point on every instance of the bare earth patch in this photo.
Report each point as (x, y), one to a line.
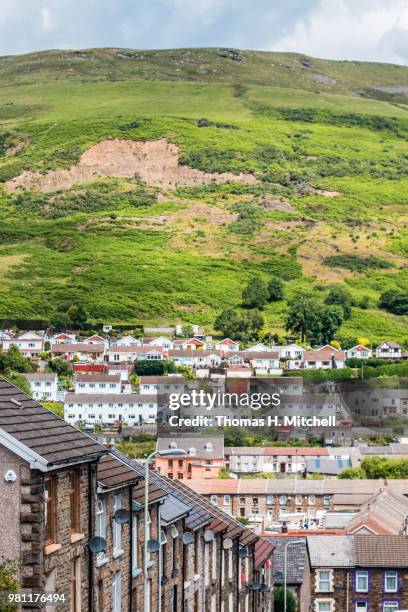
(155, 162)
(273, 204)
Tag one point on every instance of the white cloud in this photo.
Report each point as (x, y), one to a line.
(47, 19)
(204, 11)
(349, 29)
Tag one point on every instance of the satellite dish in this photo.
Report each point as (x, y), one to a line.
(97, 544)
(208, 535)
(278, 576)
(243, 552)
(227, 544)
(121, 516)
(187, 538)
(264, 587)
(256, 586)
(153, 546)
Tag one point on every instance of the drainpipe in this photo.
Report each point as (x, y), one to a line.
(91, 501)
(347, 591)
(131, 547)
(160, 558)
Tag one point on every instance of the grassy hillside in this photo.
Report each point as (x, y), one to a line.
(329, 155)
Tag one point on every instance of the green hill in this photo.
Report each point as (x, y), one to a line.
(224, 164)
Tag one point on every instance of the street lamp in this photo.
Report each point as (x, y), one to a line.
(286, 569)
(171, 452)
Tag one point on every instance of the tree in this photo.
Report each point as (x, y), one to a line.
(341, 297)
(331, 319)
(60, 321)
(303, 316)
(77, 315)
(279, 596)
(255, 294)
(14, 361)
(187, 331)
(146, 367)
(241, 326)
(395, 301)
(275, 290)
(61, 366)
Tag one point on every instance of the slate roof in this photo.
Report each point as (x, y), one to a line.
(41, 376)
(100, 378)
(42, 431)
(283, 451)
(263, 551)
(197, 517)
(296, 557)
(381, 551)
(331, 551)
(327, 465)
(112, 472)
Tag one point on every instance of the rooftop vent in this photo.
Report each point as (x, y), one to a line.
(16, 402)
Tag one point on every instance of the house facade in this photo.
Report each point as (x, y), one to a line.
(44, 387)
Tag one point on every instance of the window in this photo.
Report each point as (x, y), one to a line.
(214, 500)
(101, 523)
(76, 585)
(116, 592)
(74, 500)
(134, 541)
(227, 500)
(361, 606)
(324, 606)
(269, 499)
(326, 500)
(50, 510)
(390, 606)
(362, 581)
(391, 582)
(117, 528)
(311, 500)
(282, 500)
(324, 581)
(299, 499)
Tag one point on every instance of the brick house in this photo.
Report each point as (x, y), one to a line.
(362, 573)
(204, 458)
(50, 484)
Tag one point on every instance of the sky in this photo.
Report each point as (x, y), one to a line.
(371, 30)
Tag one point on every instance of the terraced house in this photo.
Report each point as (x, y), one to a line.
(359, 573)
(65, 493)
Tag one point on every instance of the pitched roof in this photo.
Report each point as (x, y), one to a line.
(331, 551)
(162, 380)
(36, 430)
(101, 378)
(41, 376)
(197, 517)
(277, 450)
(384, 513)
(381, 551)
(296, 558)
(263, 552)
(77, 347)
(112, 472)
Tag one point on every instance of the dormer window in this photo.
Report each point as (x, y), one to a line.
(173, 445)
(192, 452)
(208, 446)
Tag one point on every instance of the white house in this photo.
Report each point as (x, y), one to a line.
(98, 383)
(319, 360)
(107, 409)
(162, 342)
(156, 385)
(63, 338)
(359, 352)
(97, 339)
(196, 359)
(129, 354)
(388, 350)
(128, 341)
(258, 347)
(261, 362)
(30, 343)
(289, 351)
(43, 386)
(226, 346)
